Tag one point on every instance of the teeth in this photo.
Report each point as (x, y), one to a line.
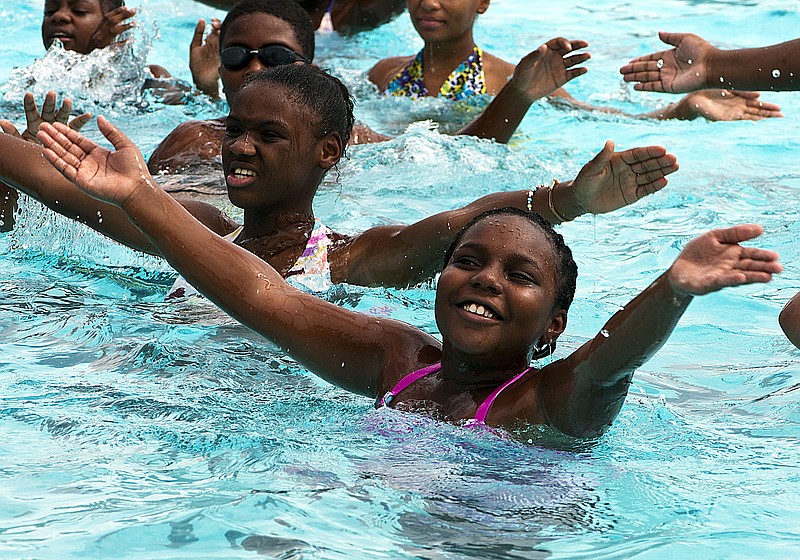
(478, 310)
(244, 172)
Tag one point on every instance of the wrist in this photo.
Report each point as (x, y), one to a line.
(672, 279)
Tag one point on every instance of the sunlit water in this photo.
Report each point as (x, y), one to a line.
(137, 428)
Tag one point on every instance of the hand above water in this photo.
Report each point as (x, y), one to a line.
(49, 114)
(549, 67)
(679, 70)
(715, 260)
(204, 58)
(612, 179)
(105, 175)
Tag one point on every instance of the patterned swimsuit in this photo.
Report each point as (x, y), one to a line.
(465, 81)
(311, 272)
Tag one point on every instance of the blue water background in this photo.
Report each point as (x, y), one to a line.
(135, 428)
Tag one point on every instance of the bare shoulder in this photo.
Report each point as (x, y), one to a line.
(159, 71)
(385, 70)
(188, 142)
(497, 72)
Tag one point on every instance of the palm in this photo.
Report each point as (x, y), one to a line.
(716, 260)
(101, 173)
(724, 105)
(546, 69)
(613, 180)
(204, 57)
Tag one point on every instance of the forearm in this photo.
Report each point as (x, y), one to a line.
(23, 166)
(790, 320)
(585, 392)
(776, 67)
(407, 255)
(343, 347)
(500, 119)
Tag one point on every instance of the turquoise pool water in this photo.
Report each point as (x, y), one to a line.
(135, 428)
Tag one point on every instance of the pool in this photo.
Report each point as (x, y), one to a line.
(134, 428)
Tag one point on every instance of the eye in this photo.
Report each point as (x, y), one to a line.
(233, 131)
(465, 261)
(269, 135)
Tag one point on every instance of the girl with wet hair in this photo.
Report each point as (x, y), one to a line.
(495, 304)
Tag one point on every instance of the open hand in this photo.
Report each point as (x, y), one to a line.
(204, 58)
(679, 70)
(114, 23)
(49, 114)
(715, 260)
(546, 69)
(612, 179)
(108, 176)
(725, 105)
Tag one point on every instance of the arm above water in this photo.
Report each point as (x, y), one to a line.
(344, 347)
(537, 75)
(405, 255)
(790, 320)
(583, 393)
(695, 64)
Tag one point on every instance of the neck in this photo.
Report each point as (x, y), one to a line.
(473, 373)
(447, 55)
(281, 225)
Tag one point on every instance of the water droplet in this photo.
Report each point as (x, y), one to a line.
(723, 94)
(660, 63)
(697, 73)
(776, 73)
(605, 333)
(689, 61)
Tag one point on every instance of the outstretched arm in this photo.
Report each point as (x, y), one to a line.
(790, 320)
(695, 64)
(404, 255)
(583, 393)
(346, 348)
(537, 75)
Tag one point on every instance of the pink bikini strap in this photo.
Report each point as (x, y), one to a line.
(408, 380)
(483, 409)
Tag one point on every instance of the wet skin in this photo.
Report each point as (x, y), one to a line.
(73, 22)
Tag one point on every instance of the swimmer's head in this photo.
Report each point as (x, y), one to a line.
(321, 95)
(287, 10)
(74, 22)
(445, 20)
(519, 273)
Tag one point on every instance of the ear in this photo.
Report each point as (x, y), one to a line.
(331, 149)
(483, 6)
(558, 324)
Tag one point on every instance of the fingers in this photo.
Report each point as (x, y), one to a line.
(113, 134)
(737, 234)
(78, 122)
(64, 111)
(603, 157)
(65, 142)
(9, 128)
(199, 31)
(673, 39)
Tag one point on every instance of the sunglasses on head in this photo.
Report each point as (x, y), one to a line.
(236, 58)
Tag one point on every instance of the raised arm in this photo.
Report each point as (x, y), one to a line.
(583, 393)
(695, 64)
(537, 75)
(790, 320)
(404, 255)
(204, 57)
(346, 348)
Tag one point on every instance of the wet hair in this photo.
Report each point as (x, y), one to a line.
(286, 10)
(324, 95)
(566, 269)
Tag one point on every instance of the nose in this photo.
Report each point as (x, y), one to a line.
(253, 67)
(242, 146)
(487, 278)
(61, 15)
(430, 5)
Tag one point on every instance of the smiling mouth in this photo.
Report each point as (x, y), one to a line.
(479, 310)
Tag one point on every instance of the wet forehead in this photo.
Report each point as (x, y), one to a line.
(510, 236)
(259, 29)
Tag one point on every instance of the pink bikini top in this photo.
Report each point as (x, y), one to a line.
(483, 409)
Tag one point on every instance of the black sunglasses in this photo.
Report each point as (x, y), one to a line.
(236, 58)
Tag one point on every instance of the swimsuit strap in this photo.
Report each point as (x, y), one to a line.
(483, 409)
(466, 80)
(326, 24)
(408, 380)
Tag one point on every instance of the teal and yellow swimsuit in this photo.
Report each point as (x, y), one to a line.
(465, 81)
